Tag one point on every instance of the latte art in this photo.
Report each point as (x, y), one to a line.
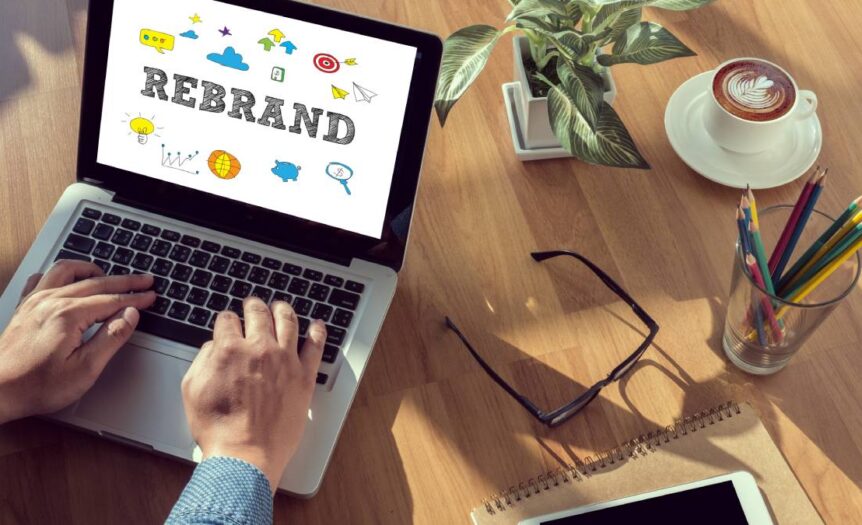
(754, 90)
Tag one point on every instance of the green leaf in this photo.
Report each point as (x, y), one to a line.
(535, 23)
(537, 8)
(679, 5)
(583, 86)
(465, 54)
(645, 43)
(607, 143)
(625, 20)
(609, 12)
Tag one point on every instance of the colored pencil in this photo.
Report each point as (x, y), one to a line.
(765, 302)
(744, 240)
(821, 276)
(836, 251)
(753, 204)
(799, 227)
(746, 209)
(849, 219)
(791, 222)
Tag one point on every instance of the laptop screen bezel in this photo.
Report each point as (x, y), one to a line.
(255, 222)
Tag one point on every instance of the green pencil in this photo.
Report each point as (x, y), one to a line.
(760, 255)
(803, 260)
(852, 236)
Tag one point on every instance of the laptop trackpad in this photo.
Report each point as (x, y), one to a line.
(138, 396)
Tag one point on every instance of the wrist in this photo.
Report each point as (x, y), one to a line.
(252, 455)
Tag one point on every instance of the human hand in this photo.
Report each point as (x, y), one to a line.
(247, 397)
(44, 363)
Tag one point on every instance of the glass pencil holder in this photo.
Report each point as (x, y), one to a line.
(763, 330)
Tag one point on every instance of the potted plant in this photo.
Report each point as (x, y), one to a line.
(562, 61)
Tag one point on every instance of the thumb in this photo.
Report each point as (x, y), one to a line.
(110, 337)
(30, 285)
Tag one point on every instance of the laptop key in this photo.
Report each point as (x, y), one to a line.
(272, 264)
(149, 229)
(258, 275)
(142, 262)
(240, 289)
(333, 280)
(178, 291)
(330, 353)
(344, 299)
(318, 292)
(170, 235)
(220, 283)
(235, 306)
(169, 329)
(130, 224)
(104, 265)
(281, 296)
(292, 269)
(252, 258)
(342, 318)
(91, 213)
(103, 232)
(66, 254)
(77, 243)
(335, 335)
(217, 302)
(179, 310)
(119, 270)
(180, 253)
(313, 275)
(321, 311)
(103, 250)
(84, 226)
(354, 286)
(162, 267)
(181, 272)
(322, 378)
(199, 259)
(303, 325)
(160, 285)
(278, 281)
(210, 246)
(239, 270)
(264, 294)
(142, 242)
(298, 286)
(110, 218)
(227, 251)
(201, 278)
(189, 240)
(121, 237)
(160, 306)
(198, 296)
(302, 306)
(199, 316)
(160, 248)
(219, 264)
(123, 256)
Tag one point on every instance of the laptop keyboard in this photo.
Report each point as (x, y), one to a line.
(195, 278)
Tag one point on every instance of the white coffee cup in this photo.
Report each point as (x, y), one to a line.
(740, 135)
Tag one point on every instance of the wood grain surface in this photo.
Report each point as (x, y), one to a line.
(430, 435)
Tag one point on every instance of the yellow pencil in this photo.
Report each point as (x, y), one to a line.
(821, 276)
(753, 205)
(849, 225)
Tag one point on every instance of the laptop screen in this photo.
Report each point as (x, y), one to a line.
(283, 114)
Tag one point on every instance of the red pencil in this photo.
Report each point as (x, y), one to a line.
(791, 222)
(765, 302)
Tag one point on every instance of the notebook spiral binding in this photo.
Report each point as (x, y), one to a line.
(641, 445)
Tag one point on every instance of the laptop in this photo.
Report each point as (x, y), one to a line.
(235, 148)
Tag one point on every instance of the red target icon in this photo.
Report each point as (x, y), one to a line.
(326, 63)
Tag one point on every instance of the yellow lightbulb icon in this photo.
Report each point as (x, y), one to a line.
(143, 127)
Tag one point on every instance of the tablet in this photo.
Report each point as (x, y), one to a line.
(731, 499)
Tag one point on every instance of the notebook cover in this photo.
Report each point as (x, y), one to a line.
(717, 441)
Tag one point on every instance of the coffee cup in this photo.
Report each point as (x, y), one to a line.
(752, 103)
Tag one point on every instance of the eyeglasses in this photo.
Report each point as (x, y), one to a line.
(562, 414)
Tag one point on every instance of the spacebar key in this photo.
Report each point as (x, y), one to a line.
(169, 329)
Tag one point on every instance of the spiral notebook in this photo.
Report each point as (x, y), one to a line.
(720, 440)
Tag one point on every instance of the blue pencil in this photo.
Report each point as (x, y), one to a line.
(800, 225)
(744, 239)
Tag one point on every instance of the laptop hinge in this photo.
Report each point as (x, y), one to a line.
(255, 236)
(125, 441)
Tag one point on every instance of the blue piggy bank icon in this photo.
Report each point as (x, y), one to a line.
(286, 170)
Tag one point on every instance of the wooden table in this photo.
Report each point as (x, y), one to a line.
(430, 435)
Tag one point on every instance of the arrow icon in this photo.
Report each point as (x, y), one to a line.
(288, 46)
(350, 62)
(276, 35)
(267, 43)
(337, 92)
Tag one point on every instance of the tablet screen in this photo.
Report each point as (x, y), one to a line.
(716, 503)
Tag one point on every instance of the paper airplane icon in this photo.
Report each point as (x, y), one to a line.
(288, 46)
(276, 35)
(267, 43)
(337, 92)
(362, 94)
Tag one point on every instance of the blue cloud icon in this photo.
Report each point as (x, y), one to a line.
(189, 34)
(230, 58)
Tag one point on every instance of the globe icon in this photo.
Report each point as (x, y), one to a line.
(223, 164)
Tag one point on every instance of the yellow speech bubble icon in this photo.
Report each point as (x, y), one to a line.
(157, 39)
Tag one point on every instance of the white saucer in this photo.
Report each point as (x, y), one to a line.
(786, 161)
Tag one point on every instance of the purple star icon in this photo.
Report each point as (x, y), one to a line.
(225, 31)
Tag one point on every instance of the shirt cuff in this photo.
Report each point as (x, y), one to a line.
(224, 490)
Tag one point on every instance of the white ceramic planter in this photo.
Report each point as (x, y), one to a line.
(532, 111)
